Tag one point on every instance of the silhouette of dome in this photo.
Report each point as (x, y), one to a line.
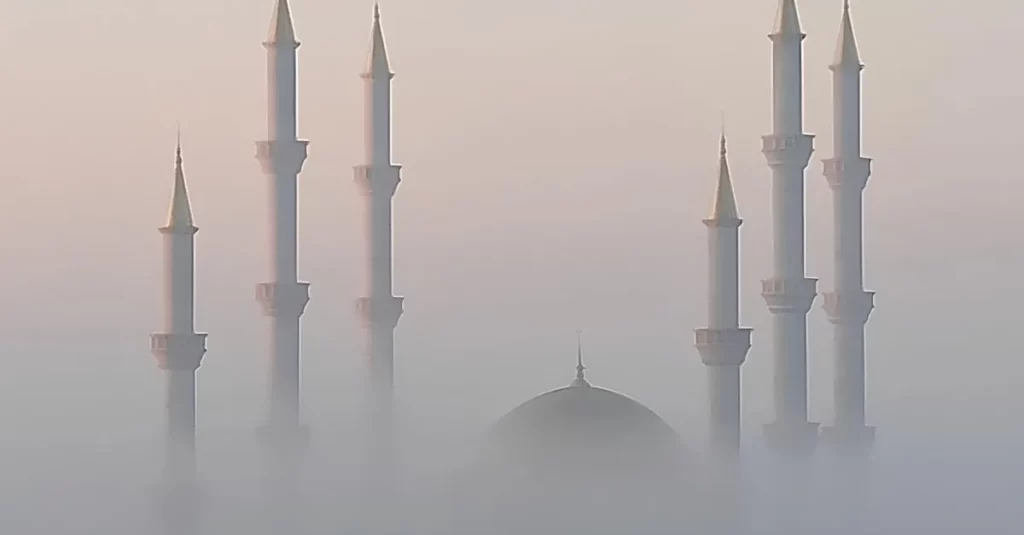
(584, 415)
(586, 429)
(578, 459)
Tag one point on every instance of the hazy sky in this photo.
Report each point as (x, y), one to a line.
(558, 158)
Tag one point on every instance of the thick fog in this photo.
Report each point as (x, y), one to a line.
(558, 158)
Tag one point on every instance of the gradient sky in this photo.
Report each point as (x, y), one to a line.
(558, 158)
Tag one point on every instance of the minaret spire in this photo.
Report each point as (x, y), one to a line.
(724, 206)
(378, 178)
(849, 305)
(284, 298)
(179, 351)
(282, 30)
(377, 63)
(723, 345)
(180, 212)
(789, 293)
(787, 20)
(846, 44)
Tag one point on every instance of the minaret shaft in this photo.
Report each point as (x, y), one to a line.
(181, 376)
(284, 298)
(724, 275)
(787, 96)
(378, 120)
(849, 241)
(179, 284)
(379, 254)
(181, 383)
(790, 348)
(724, 402)
(723, 345)
(846, 112)
(181, 422)
(849, 305)
(284, 235)
(284, 372)
(789, 293)
(281, 93)
(850, 374)
(788, 221)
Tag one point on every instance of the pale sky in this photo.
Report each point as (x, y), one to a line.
(558, 158)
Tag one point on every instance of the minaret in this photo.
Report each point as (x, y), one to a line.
(378, 179)
(179, 350)
(723, 345)
(849, 306)
(284, 299)
(789, 293)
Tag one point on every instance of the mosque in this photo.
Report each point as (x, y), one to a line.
(579, 444)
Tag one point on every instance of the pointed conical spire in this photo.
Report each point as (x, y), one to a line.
(787, 21)
(724, 207)
(282, 31)
(179, 215)
(846, 47)
(377, 59)
(580, 380)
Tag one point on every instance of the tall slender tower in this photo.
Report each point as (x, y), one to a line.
(723, 345)
(789, 293)
(378, 179)
(849, 306)
(284, 299)
(179, 351)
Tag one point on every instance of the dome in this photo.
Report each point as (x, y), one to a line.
(583, 426)
(578, 459)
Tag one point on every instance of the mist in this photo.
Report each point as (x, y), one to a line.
(557, 162)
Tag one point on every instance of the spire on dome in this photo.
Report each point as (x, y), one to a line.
(580, 380)
(724, 206)
(787, 21)
(377, 58)
(179, 215)
(846, 47)
(282, 31)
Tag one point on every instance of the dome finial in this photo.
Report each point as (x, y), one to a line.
(580, 379)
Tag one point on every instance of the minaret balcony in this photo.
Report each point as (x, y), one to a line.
(380, 312)
(847, 173)
(282, 157)
(178, 352)
(849, 307)
(723, 347)
(787, 151)
(789, 296)
(375, 180)
(283, 299)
